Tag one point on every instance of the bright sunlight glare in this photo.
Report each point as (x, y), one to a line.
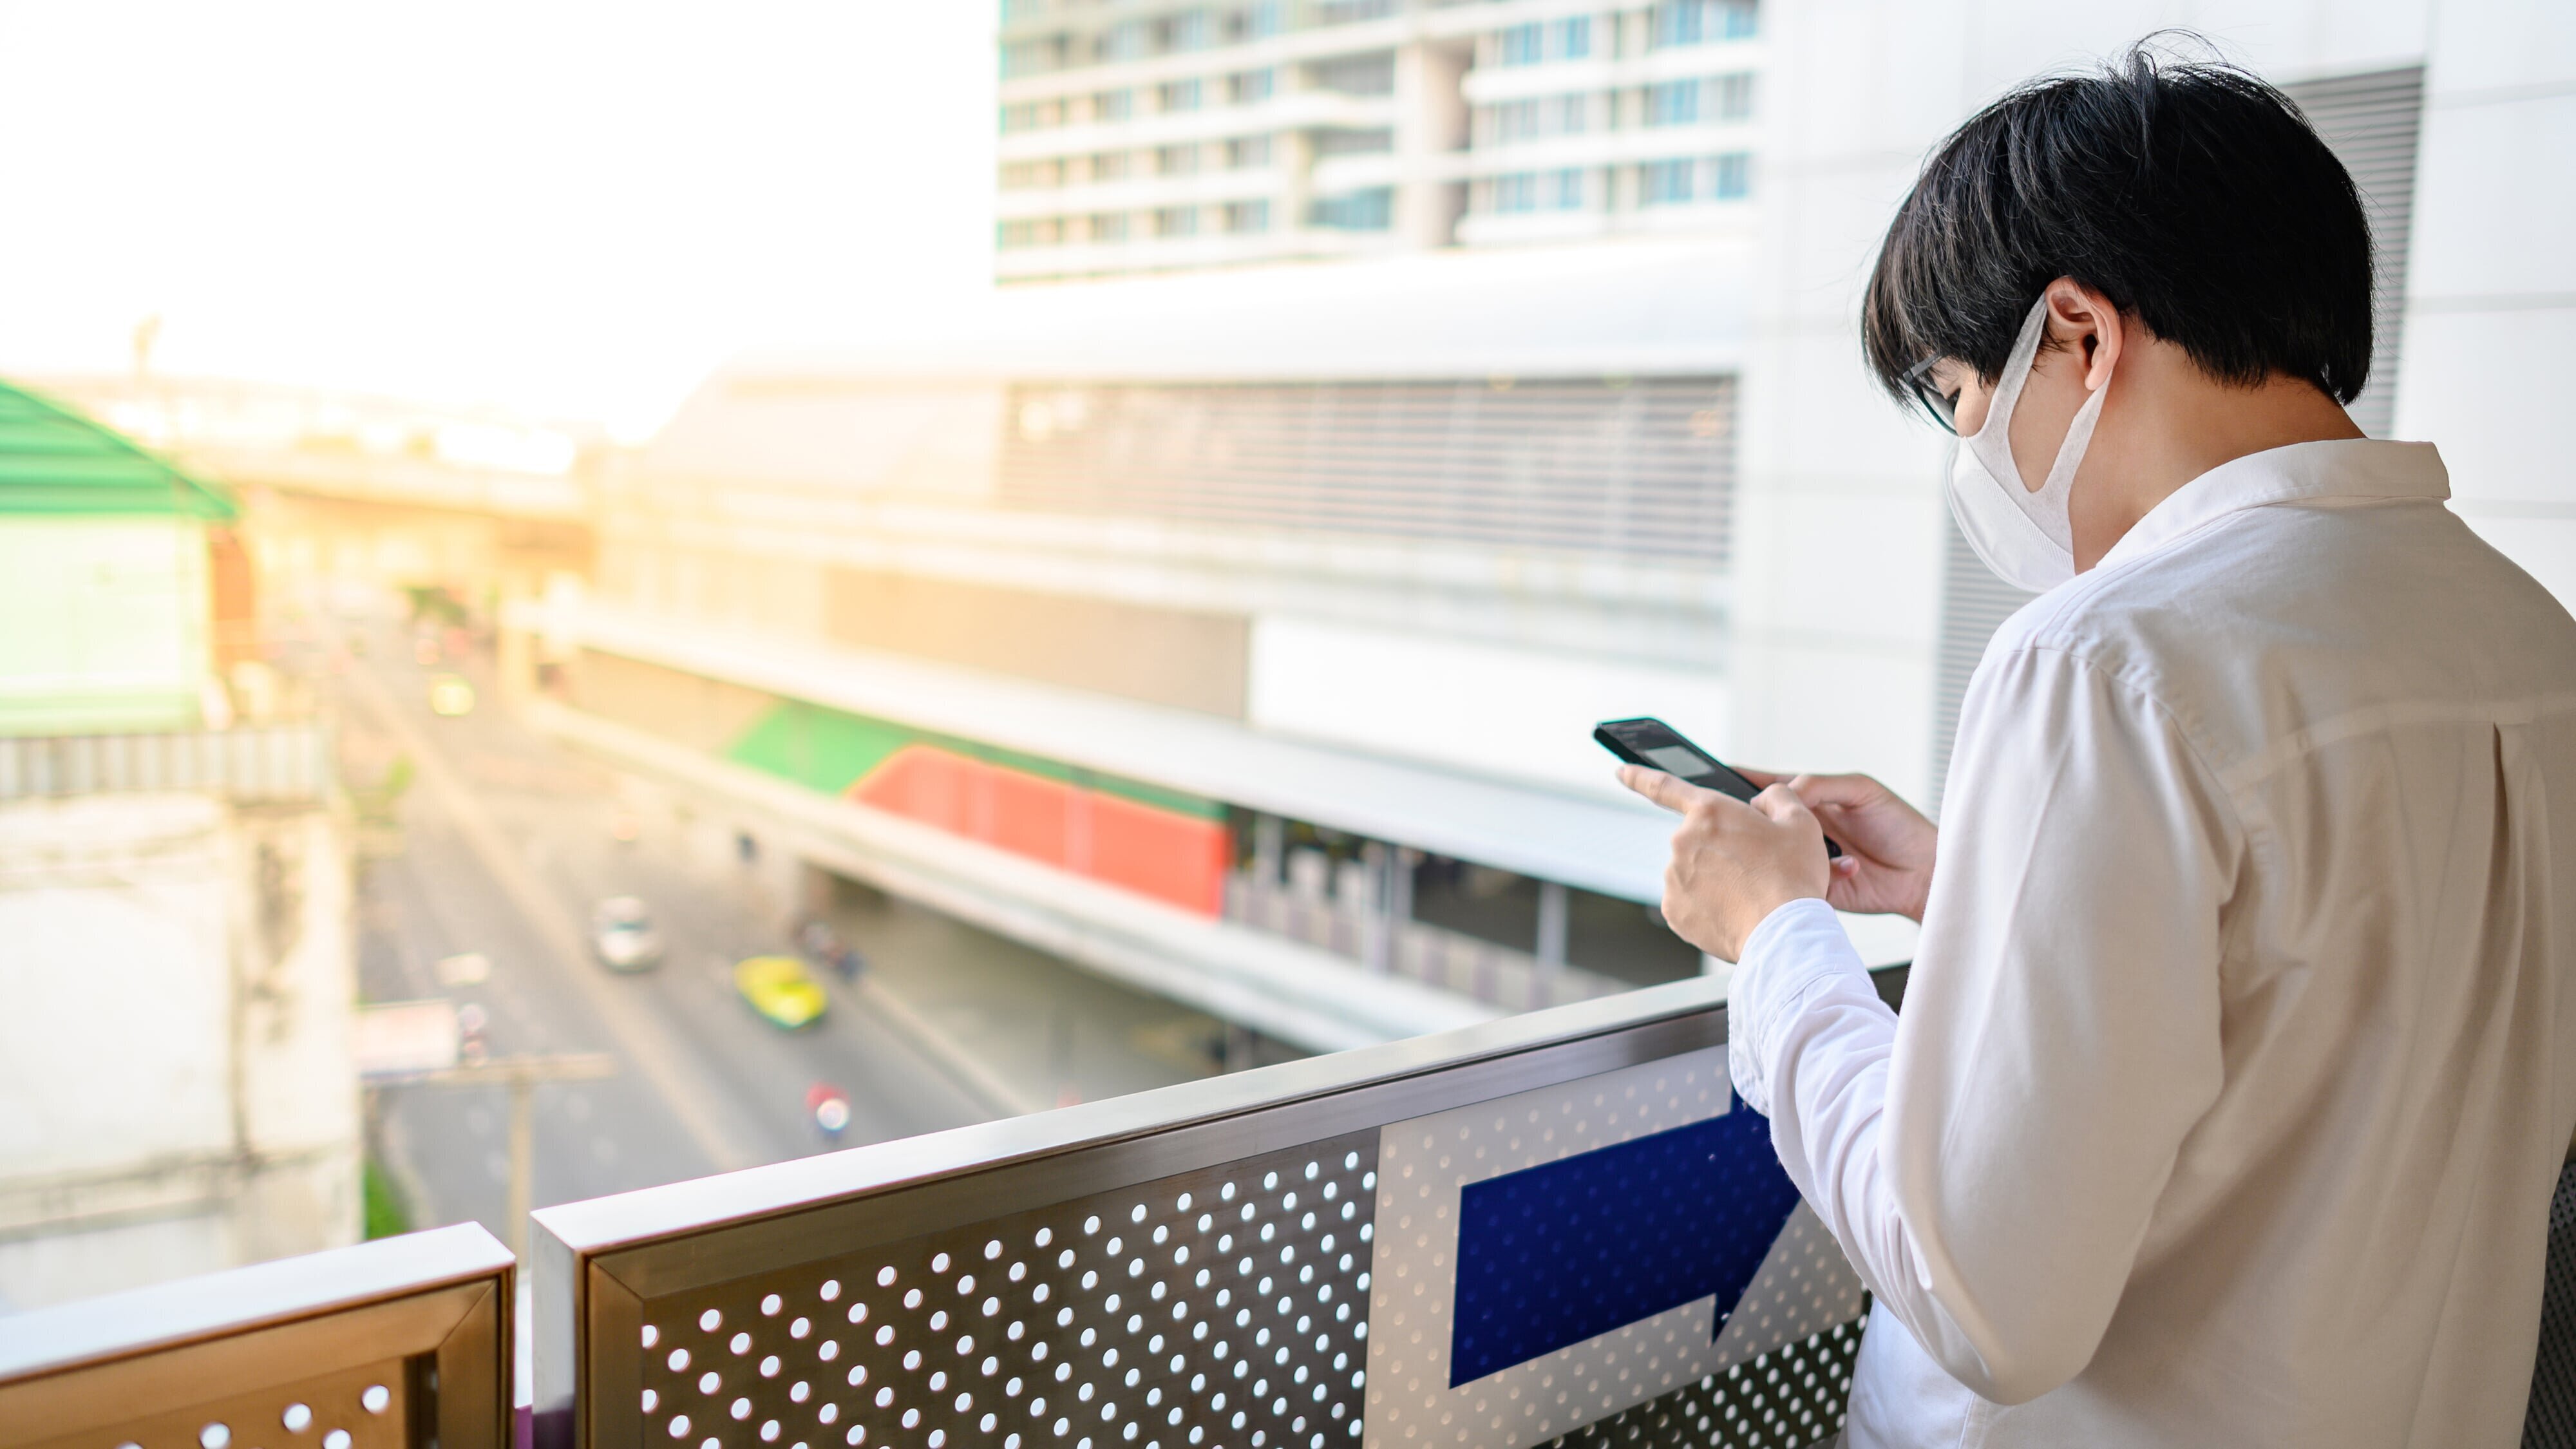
(569, 209)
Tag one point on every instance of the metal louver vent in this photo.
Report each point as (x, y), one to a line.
(1974, 603)
(2372, 122)
(1638, 469)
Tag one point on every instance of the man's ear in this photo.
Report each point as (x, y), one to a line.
(2085, 320)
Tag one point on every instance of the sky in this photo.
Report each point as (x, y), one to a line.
(566, 209)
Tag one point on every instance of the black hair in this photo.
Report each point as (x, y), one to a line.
(2191, 194)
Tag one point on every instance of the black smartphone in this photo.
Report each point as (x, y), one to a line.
(1658, 746)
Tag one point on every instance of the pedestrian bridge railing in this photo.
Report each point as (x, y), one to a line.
(399, 1344)
(1557, 1226)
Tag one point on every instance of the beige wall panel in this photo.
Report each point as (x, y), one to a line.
(688, 709)
(1160, 656)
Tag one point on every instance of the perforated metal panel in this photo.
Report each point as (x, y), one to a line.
(1791, 1397)
(362, 1408)
(2550, 1422)
(1223, 1306)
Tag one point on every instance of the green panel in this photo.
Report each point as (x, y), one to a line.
(55, 460)
(827, 750)
(821, 749)
(115, 635)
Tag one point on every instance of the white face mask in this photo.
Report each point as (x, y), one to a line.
(2026, 537)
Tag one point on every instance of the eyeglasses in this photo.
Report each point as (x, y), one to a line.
(1939, 407)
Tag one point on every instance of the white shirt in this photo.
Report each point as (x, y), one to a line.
(2235, 1070)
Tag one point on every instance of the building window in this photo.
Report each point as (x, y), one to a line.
(1511, 121)
(1696, 22)
(1354, 141)
(1176, 221)
(1030, 57)
(1567, 192)
(1251, 87)
(1733, 177)
(1109, 226)
(1185, 31)
(1734, 96)
(1370, 210)
(1245, 152)
(1666, 183)
(1178, 160)
(1369, 74)
(1516, 192)
(1259, 21)
(1024, 175)
(1113, 105)
(1020, 117)
(1521, 44)
(1672, 103)
(1177, 95)
(1574, 38)
(1573, 114)
(1109, 166)
(1247, 216)
(1014, 235)
(1122, 41)
(1351, 12)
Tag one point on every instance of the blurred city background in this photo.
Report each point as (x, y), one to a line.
(596, 595)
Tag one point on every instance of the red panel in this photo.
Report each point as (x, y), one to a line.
(1160, 853)
(1169, 856)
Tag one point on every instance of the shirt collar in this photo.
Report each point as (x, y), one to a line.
(2343, 470)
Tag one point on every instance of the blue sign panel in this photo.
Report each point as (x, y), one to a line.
(1556, 1254)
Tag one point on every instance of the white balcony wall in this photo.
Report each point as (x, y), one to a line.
(2491, 306)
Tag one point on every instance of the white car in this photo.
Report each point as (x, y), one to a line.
(622, 934)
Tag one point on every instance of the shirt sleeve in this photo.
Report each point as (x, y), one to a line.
(1990, 1162)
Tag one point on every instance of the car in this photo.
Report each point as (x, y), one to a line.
(778, 988)
(450, 695)
(622, 934)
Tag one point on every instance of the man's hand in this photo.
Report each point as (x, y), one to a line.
(1733, 863)
(1886, 864)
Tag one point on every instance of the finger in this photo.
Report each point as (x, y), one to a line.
(1839, 790)
(1781, 804)
(1671, 792)
(1760, 777)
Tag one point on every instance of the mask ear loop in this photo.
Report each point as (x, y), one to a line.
(1992, 442)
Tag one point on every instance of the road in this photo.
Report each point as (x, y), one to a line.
(505, 842)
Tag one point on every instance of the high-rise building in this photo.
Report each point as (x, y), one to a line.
(1155, 136)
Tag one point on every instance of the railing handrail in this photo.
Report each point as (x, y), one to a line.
(164, 1316)
(429, 1311)
(597, 1263)
(652, 1214)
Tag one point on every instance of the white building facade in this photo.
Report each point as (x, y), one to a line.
(1349, 556)
(1153, 137)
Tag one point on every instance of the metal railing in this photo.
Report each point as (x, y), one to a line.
(1548, 1225)
(404, 1342)
(247, 764)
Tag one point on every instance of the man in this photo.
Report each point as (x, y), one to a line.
(2234, 1073)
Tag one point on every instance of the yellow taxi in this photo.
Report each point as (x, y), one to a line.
(778, 988)
(450, 695)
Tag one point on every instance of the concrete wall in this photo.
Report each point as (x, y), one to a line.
(176, 1089)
